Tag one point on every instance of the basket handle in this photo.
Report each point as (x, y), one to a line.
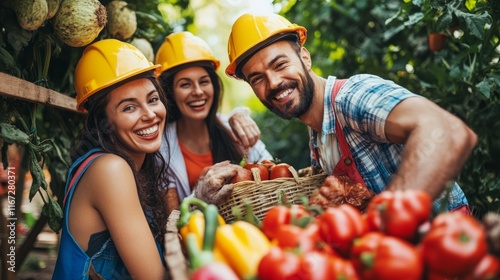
(256, 175)
(294, 174)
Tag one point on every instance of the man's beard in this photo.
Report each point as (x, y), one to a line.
(305, 98)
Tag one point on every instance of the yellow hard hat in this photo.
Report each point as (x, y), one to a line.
(181, 48)
(251, 33)
(106, 63)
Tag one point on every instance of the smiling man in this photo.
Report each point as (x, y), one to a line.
(378, 133)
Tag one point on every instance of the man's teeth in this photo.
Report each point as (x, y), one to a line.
(197, 103)
(284, 94)
(148, 131)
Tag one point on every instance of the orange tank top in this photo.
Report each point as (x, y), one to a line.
(195, 163)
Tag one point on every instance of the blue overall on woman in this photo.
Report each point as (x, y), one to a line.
(73, 262)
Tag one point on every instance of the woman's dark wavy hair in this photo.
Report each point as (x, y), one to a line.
(222, 146)
(98, 132)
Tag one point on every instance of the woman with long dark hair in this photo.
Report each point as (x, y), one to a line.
(197, 134)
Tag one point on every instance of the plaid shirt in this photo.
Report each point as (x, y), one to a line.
(362, 105)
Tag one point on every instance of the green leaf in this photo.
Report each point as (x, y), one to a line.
(391, 32)
(8, 63)
(43, 147)
(444, 21)
(475, 23)
(414, 19)
(455, 71)
(54, 214)
(37, 175)
(485, 87)
(12, 134)
(439, 4)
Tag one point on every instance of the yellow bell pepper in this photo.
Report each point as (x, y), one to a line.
(242, 245)
(194, 222)
(202, 263)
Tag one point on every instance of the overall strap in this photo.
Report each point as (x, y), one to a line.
(346, 165)
(344, 147)
(81, 168)
(336, 87)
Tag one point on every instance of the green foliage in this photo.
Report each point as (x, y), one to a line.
(389, 38)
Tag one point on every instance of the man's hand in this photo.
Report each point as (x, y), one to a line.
(244, 129)
(212, 186)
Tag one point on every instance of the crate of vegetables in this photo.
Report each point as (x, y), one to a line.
(263, 185)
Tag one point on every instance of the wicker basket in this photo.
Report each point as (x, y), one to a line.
(262, 195)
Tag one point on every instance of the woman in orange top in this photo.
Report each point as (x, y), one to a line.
(196, 135)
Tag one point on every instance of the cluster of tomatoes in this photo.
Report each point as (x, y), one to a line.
(267, 169)
(394, 238)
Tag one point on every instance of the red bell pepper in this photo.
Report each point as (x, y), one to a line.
(278, 264)
(343, 269)
(487, 269)
(282, 264)
(316, 266)
(301, 239)
(281, 215)
(340, 225)
(454, 244)
(399, 213)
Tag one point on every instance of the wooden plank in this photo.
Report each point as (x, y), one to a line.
(21, 89)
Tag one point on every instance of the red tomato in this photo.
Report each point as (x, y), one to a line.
(280, 170)
(242, 175)
(340, 225)
(454, 244)
(268, 163)
(263, 171)
(281, 215)
(379, 256)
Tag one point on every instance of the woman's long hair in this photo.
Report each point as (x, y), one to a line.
(221, 144)
(98, 132)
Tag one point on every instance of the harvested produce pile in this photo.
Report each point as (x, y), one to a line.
(396, 237)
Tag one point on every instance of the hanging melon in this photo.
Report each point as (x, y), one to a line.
(53, 7)
(31, 14)
(122, 21)
(78, 22)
